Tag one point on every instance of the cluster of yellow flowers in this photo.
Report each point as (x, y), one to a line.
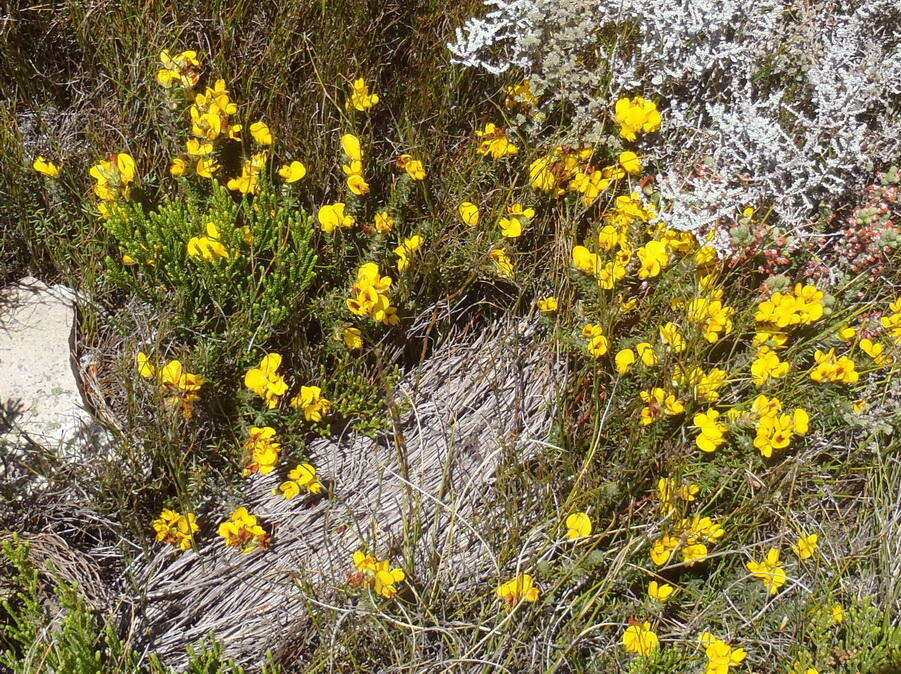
(520, 588)
(801, 306)
(353, 169)
(360, 98)
(301, 479)
(689, 535)
(413, 167)
(176, 529)
(494, 141)
(770, 571)
(406, 249)
(45, 167)
(266, 381)
(375, 573)
(269, 384)
(180, 388)
(775, 430)
(640, 638)
(891, 321)
(243, 530)
(830, 367)
(209, 246)
(113, 177)
(636, 115)
(262, 449)
(369, 296)
(720, 655)
(180, 69)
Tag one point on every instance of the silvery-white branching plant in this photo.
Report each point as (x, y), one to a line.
(785, 104)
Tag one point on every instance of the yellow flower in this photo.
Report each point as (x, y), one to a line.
(663, 549)
(659, 403)
(647, 354)
(585, 260)
(520, 588)
(353, 338)
(357, 184)
(385, 580)
(494, 142)
(578, 525)
(261, 133)
(178, 167)
(406, 249)
(705, 255)
(469, 213)
(653, 258)
(639, 638)
(263, 450)
(547, 305)
(767, 366)
(670, 494)
(331, 216)
(660, 591)
(312, 402)
(876, 351)
(846, 333)
(413, 167)
(720, 655)
(830, 368)
(48, 168)
(378, 574)
(520, 95)
(384, 223)
(630, 162)
(248, 181)
(300, 479)
(265, 380)
(541, 175)
(243, 530)
(179, 387)
(176, 529)
(206, 167)
(694, 553)
(671, 336)
(510, 227)
(198, 148)
(712, 431)
(292, 172)
(113, 176)
(351, 146)
(636, 116)
(598, 344)
(181, 68)
(145, 367)
(624, 360)
(521, 212)
(806, 546)
(502, 262)
(208, 247)
(369, 295)
(838, 613)
(360, 98)
(769, 571)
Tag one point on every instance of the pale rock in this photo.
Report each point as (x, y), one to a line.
(41, 403)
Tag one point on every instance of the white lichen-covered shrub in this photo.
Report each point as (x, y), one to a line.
(782, 103)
